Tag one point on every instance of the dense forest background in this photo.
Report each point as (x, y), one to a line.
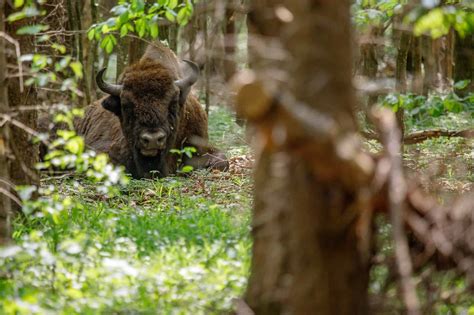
(354, 117)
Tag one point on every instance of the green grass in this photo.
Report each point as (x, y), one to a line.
(178, 245)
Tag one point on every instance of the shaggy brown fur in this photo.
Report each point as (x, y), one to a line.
(150, 100)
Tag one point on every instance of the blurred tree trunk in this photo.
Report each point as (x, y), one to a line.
(446, 63)
(403, 47)
(230, 41)
(75, 14)
(429, 64)
(369, 63)
(464, 61)
(207, 62)
(417, 60)
(305, 257)
(5, 202)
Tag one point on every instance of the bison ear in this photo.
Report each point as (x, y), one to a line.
(112, 103)
(185, 84)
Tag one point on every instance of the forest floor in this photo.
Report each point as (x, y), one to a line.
(179, 245)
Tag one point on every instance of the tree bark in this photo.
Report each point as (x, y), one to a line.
(417, 86)
(429, 63)
(25, 154)
(5, 202)
(230, 42)
(401, 74)
(464, 61)
(305, 255)
(136, 48)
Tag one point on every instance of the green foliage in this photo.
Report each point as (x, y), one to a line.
(438, 21)
(186, 151)
(420, 107)
(375, 12)
(429, 17)
(46, 69)
(139, 17)
(95, 243)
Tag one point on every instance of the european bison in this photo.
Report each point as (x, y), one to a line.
(149, 113)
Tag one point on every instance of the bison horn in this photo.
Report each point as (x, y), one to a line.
(112, 89)
(186, 83)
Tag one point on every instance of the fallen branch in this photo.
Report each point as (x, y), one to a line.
(421, 136)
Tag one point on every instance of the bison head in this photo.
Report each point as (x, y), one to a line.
(148, 104)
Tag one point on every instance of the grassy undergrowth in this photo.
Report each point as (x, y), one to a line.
(178, 245)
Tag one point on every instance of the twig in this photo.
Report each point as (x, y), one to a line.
(423, 135)
(22, 126)
(397, 192)
(11, 196)
(18, 54)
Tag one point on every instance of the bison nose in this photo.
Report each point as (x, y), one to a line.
(152, 140)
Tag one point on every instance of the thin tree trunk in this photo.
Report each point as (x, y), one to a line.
(207, 63)
(447, 59)
(136, 48)
(464, 61)
(92, 56)
(417, 66)
(429, 64)
(305, 255)
(230, 42)
(5, 202)
(369, 64)
(401, 74)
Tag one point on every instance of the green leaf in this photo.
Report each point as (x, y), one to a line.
(18, 3)
(32, 29)
(60, 48)
(187, 169)
(109, 47)
(16, 16)
(91, 33)
(75, 145)
(170, 15)
(172, 4)
(123, 30)
(76, 67)
(154, 30)
(460, 85)
(183, 16)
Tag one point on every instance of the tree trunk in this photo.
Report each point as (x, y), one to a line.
(207, 63)
(417, 86)
(136, 48)
(230, 42)
(401, 74)
(464, 64)
(25, 154)
(5, 202)
(369, 63)
(305, 255)
(91, 57)
(429, 64)
(446, 62)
